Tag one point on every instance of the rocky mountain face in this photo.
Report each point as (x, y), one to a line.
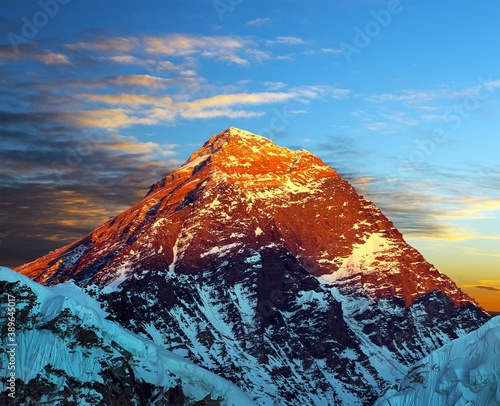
(264, 266)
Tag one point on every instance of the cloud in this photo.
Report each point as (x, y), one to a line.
(125, 99)
(140, 80)
(9, 54)
(431, 105)
(221, 48)
(484, 87)
(107, 118)
(127, 144)
(338, 93)
(280, 40)
(105, 44)
(288, 58)
(330, 51)
(243, 98)
(26, 121)
(221, 105)
(274, 85)
(410, 96)
(136, 83)
(423, 210)
(146, 51)
(150, 64)
(182, 44)
(217, 112)
(259, 22)
(474, 207)
(373, 120)
(333, 51)
(487, 288)
(258, 55)
(60, 182)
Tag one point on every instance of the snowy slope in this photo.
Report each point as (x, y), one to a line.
(465, 371)
(64, 344)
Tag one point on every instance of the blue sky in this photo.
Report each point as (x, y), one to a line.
(102, 98)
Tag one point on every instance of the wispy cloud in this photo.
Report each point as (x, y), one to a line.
(221, 48)
(474, 207)
(487, 288)
(259, 22)
(141, 80)
(381, 121)
(280, 40)
(107, 118)
(105, 45)
(9, 54)
(411, 96)
(441, 104)
(330, 51)
(486, 84)
(274, 85)
(486, 284)
(150, 64)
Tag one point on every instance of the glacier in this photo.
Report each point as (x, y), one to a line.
(465, 371)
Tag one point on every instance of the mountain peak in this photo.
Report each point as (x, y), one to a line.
(251, 161)
(263, 265)
(292, 197)
(231, 137)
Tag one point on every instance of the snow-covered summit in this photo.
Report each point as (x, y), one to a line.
(242, 157)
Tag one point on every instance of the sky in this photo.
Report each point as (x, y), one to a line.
(102, 98)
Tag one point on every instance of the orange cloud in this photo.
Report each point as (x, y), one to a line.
(126, 99)
(108, 118)
(141, 80)
(474, 208)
